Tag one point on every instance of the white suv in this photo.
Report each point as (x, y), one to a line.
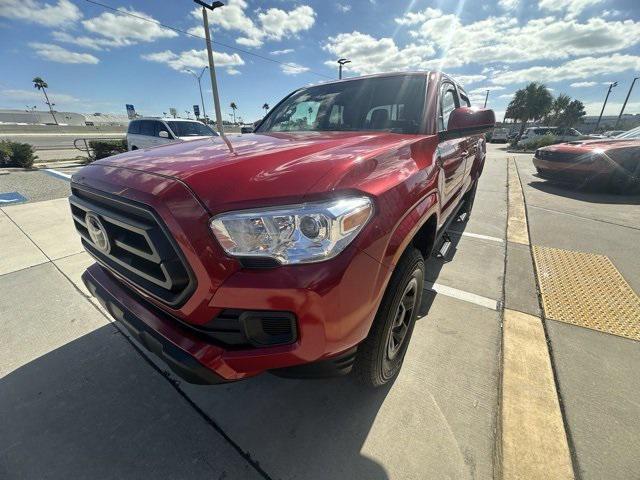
(152, 132)
(559, 134)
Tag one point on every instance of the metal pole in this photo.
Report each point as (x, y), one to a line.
(611, 85)
(339, 71)
(625, 102)
(212, 71)
(485, 99)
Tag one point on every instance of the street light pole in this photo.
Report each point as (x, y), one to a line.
(625, 102)
(611, 85)
(341, 62)
(485, 99)
(198, 77)
(212, 68)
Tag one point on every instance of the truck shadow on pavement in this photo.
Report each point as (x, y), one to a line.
(94, 409)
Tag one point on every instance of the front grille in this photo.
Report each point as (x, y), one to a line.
(140, 248)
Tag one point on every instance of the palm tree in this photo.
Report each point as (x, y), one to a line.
(40, 84)
(234, 107)
(265, 107)
(558, 107)
(530, 103)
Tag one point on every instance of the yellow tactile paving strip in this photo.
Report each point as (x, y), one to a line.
(586, 290)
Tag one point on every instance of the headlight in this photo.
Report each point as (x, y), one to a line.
(305, 233)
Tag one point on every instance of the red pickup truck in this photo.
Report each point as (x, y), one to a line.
(297, 249)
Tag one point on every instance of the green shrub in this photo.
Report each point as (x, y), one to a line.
(16, 154)
(5, 153)
(106, 148)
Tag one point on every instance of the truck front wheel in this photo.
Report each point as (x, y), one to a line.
(381, 354)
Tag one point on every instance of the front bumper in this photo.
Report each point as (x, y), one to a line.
(576, 168)
(331, 322)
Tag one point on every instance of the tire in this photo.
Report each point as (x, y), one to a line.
(381, 354)
(134, 148)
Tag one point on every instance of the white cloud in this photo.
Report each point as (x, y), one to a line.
(272, 24)
(572, 7)
(508, 4)
(371, 55)
(467, 79)
(56, 53)
(92, 43)
(61, 13)
(503, 39)
(483, 90)
(281, 52)
(193, 59)
(579, 68)
(278, 24)
(506, 95)
(293, 69)
(124, 29)
(583, 84)
(344, 8)
(233, 71)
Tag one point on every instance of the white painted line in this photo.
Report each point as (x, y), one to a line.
(477, 235)
(462, 295)
(56, 173)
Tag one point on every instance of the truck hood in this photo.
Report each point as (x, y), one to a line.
(249, 169)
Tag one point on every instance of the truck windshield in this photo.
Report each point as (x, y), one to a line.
(393, 104)
(190, 129)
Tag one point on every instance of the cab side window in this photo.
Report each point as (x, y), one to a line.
(147, 128)
(448, 103)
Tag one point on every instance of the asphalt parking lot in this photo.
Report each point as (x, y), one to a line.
(82, 400)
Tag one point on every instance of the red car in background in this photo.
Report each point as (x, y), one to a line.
(613, 163)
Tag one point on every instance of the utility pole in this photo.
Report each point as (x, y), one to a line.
(198, 77)
(625, 102)
(611, 85)
(485, 99)
(341, 62)
(212, 68)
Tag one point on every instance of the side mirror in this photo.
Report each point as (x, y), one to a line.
(466, 121)
(163, 134)
(246, 130)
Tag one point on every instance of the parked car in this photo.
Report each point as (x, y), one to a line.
(298, 249)
(613, 163)
(500, 135)
(153, 132)
(559, 134)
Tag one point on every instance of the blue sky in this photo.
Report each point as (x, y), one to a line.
(96, 60)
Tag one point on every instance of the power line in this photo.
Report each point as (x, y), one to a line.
(175, 29)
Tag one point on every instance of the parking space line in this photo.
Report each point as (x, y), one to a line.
(462, 295)
(477, 235)
(56, 173)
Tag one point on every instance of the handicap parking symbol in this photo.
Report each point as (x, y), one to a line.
(11, 197)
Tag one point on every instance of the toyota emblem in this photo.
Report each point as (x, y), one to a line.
(97, 232)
